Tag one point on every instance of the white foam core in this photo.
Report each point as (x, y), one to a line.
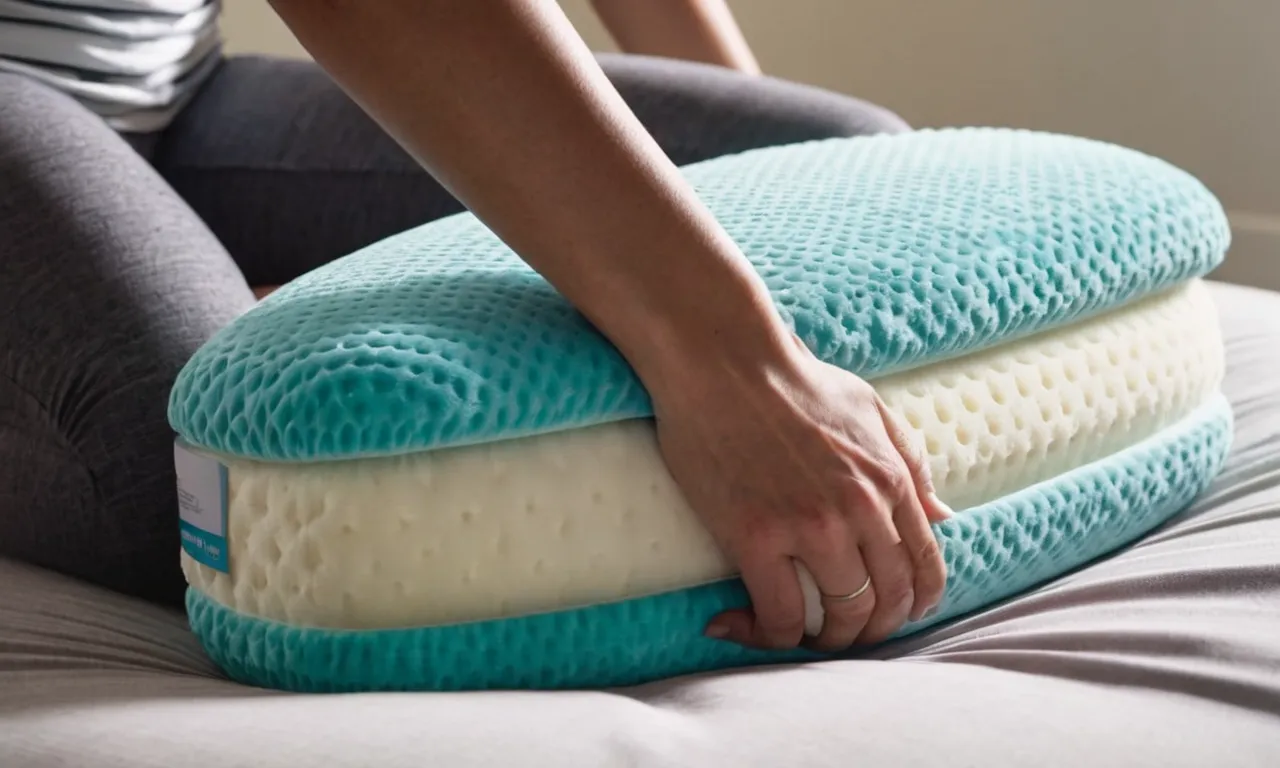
(591, 515)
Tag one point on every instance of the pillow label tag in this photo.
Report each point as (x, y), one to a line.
(202, 506)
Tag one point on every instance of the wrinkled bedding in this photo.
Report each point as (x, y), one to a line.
(1167, 653)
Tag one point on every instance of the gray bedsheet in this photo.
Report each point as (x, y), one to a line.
(1166, 654)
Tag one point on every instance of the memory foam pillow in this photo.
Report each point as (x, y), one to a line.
(419, 468)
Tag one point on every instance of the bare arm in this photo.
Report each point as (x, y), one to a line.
(695, 30)
(783, 458)
(507, 107)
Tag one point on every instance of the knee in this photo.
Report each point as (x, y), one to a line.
(697, 111)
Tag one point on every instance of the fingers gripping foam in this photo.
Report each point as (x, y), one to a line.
(592, 515)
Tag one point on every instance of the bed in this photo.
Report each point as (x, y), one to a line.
(1167, 653)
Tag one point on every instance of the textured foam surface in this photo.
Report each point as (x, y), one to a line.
(591, 515)
(884, 252)
(992, 552)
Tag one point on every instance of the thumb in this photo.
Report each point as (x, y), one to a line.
(917, 464)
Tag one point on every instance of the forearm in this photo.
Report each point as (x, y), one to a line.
(694, 30)
(505, 105)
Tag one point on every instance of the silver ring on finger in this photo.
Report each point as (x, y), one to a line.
(854, 595)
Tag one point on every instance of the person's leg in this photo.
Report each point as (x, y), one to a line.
(289, 173)
(108, 283)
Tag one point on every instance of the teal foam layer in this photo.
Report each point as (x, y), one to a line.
(884, 253)
(992, 552)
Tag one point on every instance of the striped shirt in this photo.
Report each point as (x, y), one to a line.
(134, 62)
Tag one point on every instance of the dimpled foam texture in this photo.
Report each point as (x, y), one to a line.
(993, 551)
(883, 252)
(591, 515)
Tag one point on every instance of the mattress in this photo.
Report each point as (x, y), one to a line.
(1163, 653)
(419, 468)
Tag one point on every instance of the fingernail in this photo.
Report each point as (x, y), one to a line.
(716, 631)
(929, 613)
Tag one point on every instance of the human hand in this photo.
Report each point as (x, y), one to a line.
(783, 458)
(802, 462)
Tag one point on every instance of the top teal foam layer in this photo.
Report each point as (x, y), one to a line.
(883, 253)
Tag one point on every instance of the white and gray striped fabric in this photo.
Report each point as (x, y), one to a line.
(134, 62)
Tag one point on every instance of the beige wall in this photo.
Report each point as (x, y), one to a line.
(1194, 81)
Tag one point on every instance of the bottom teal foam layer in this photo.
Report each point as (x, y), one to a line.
(992, 552)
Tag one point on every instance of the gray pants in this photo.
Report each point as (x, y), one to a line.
(117, 262)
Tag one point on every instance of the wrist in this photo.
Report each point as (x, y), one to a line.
(694, 336)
